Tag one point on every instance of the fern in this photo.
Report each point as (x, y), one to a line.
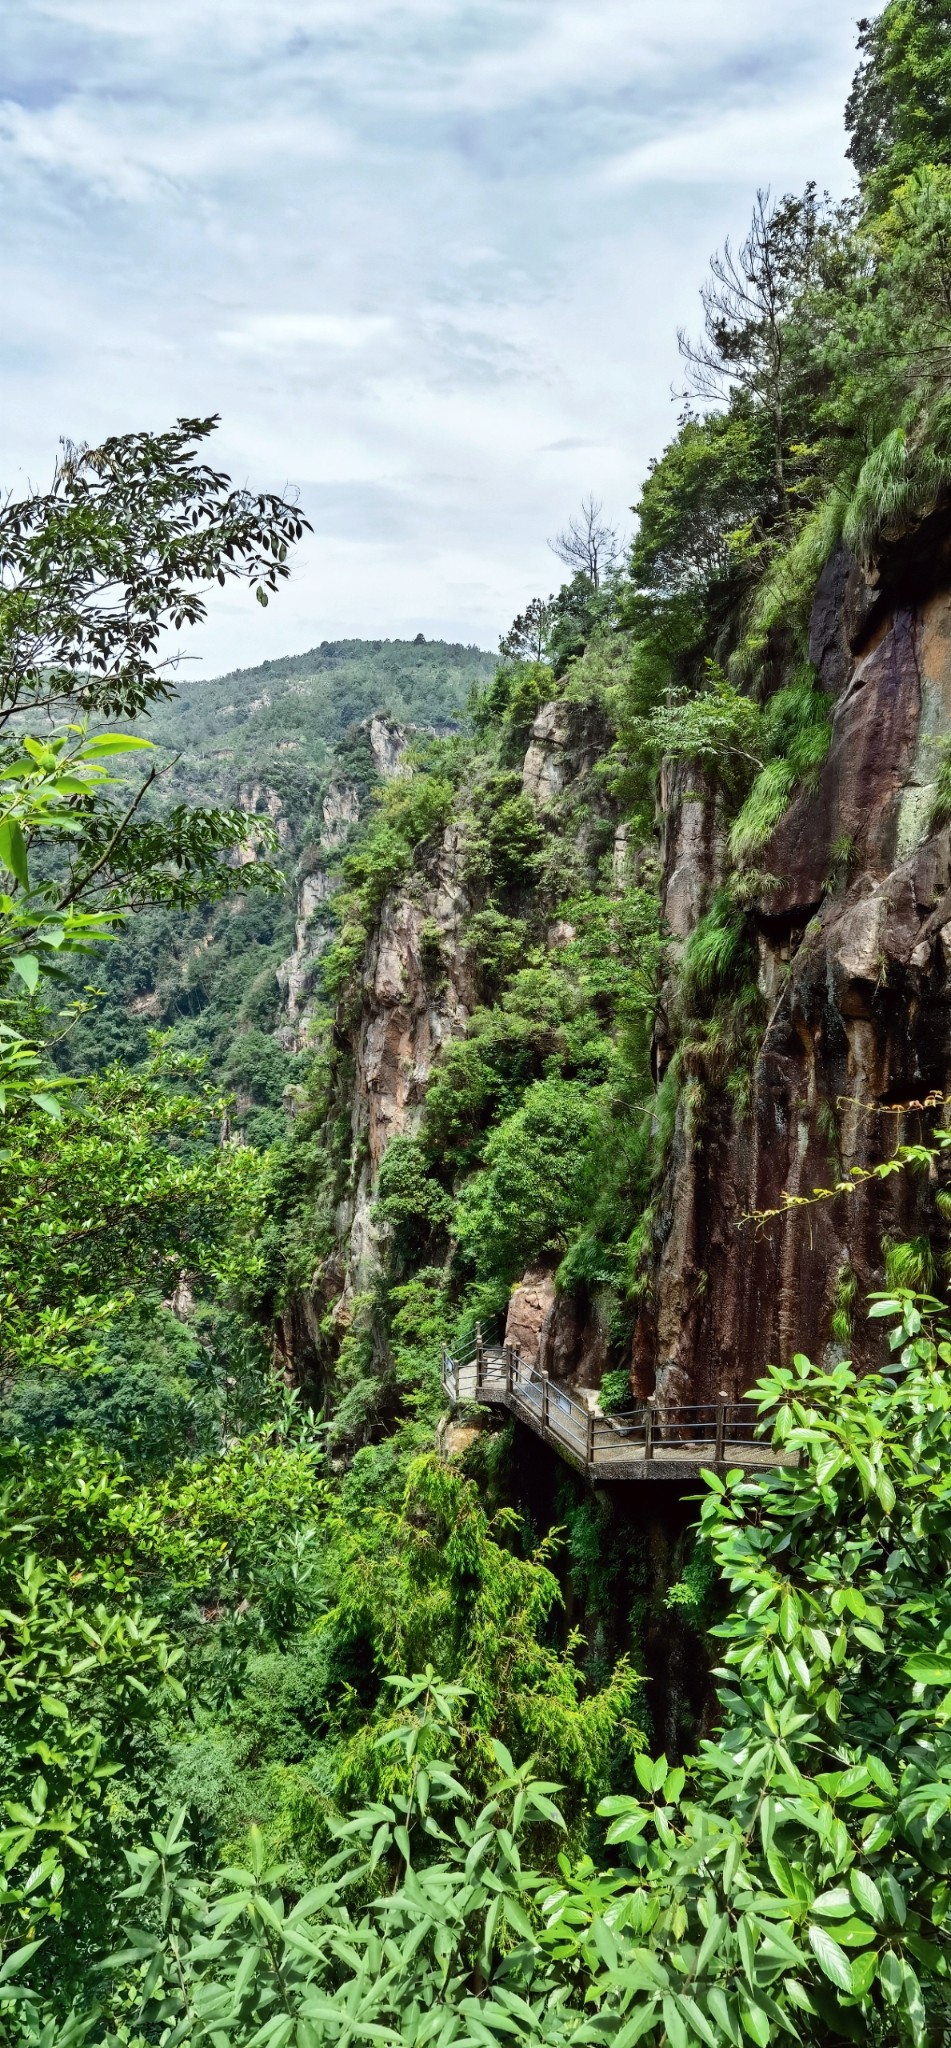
(714, 953)
(910, 1263)
(798, 727)
(899, 482)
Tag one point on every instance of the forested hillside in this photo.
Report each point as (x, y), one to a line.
(273, 740)
(591, 1005)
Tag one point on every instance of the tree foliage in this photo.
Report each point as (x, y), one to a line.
(788, 1880)
(897, 113)
(122, 547)
(126, 1191)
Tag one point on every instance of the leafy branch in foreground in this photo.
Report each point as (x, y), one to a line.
(95, 570)
(905, 1157)
(92, 574)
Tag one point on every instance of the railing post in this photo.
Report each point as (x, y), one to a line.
(509, 1367)
(480, 1351)
(721, 1433)
(544, 1400)
(456, 1370)
(648, 1431)
(589, 1439)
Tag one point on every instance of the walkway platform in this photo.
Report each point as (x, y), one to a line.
(644, 1442)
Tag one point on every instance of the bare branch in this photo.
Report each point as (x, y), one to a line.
(587, 545)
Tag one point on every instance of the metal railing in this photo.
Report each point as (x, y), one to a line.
(710, 1432)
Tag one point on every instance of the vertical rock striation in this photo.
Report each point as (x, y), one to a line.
(854, 938)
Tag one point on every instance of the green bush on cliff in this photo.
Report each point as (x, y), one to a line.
(410, 1202)
(511, 705)
(881, 347)
(796, 734)
(530, 1193)
(715, 951)
(413, 811)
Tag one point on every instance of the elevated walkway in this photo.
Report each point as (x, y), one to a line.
(645, 1441)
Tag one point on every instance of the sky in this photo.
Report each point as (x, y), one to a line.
(426, 258)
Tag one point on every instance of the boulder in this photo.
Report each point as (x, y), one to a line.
(529, 1307)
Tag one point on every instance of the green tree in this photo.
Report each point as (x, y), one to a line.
(93, 573)
(899, 109)
(126, 1192)
(120, 549)
(754, 343)
(530, 1193)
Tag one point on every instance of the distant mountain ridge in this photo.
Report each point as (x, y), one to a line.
(281, 720)
(282, 739)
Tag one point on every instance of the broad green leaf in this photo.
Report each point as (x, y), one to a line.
(881, 1776)
(866, 1894)
(864, 1970)
(889, 1970)
(831, 1958)
(675, 2024)
(755, 2022)
(13, 851)
(929, 1670)
(115, 743)
(893, 1896)
(835, 1904)
(697, 2019)
(914, 2003)
(711, 1941)
(27, 966)
(724, 2015)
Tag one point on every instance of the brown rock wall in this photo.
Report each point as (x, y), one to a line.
(530, 1306)
(405, 1018)
(855, 972)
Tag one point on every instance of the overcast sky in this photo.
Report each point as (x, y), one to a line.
(425, 257)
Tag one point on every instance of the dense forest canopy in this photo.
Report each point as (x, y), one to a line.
(313, 1734)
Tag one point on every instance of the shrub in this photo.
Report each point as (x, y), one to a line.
(532, 1189)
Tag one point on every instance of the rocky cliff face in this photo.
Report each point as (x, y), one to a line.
(417, 991)
(854, 938)
(416, 994)
(318, 882)
(850, 930)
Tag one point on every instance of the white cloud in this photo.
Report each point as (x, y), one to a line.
(267, 333)
(426, 261)
(761, 144)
